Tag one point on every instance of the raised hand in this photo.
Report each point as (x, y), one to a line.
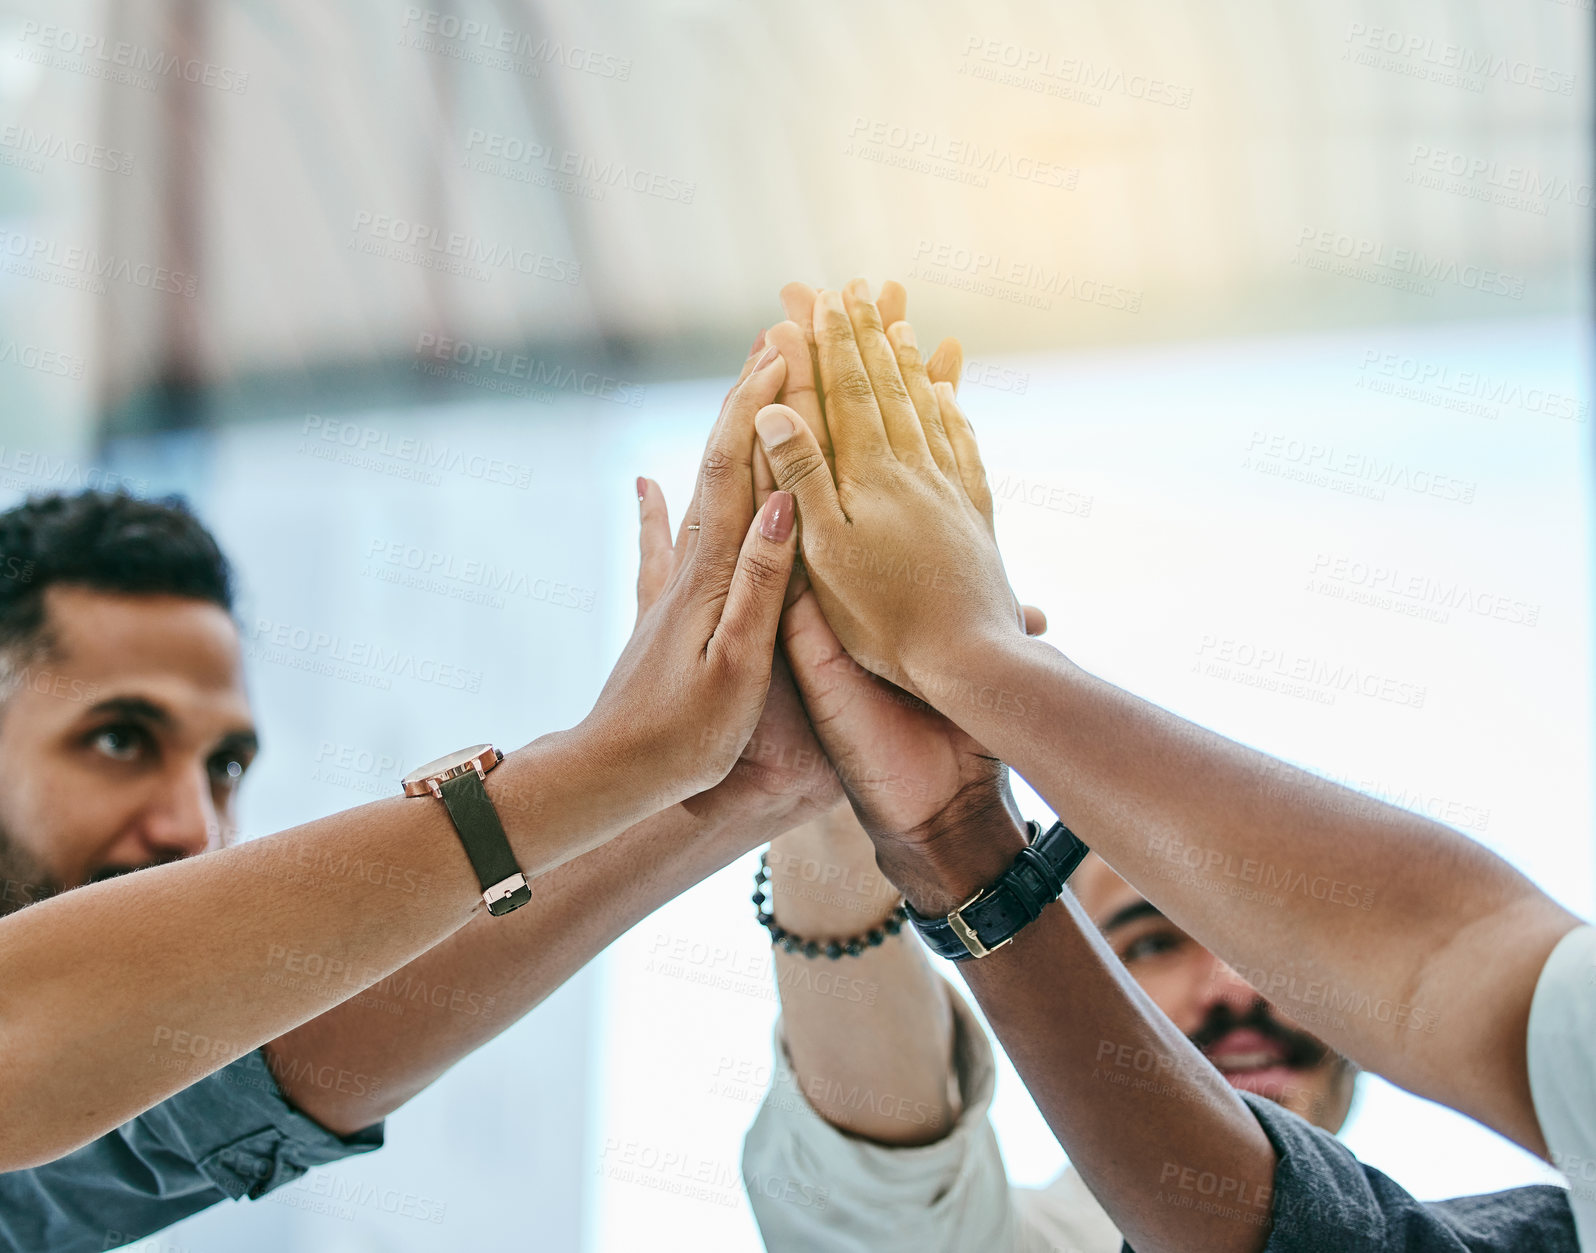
(908, 771)
(800, 388)
(898, 546)
(689, 688)
(782, 769)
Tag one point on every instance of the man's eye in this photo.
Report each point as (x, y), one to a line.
(1149, 945)
(228, 768)
(120, 743)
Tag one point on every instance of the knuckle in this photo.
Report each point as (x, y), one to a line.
(835, 333)
(718, 466)
(763, 573)
(852, 387)
(893, 388)
(797, 471)
(867, 316)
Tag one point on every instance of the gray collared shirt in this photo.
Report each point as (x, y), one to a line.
(230, 1135)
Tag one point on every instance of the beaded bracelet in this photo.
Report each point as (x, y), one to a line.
(813, 948)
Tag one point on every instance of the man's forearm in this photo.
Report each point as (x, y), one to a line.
(406, 1030)
(878, 1024)
(1174, 1155)
(1402, 943)
(88, 1041)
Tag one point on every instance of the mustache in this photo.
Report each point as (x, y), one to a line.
(1302, 1051)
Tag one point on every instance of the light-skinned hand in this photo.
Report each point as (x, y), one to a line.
(898, 539)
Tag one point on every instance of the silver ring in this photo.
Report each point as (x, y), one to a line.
(692, 526)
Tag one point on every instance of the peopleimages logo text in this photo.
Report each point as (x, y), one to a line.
(1442, 55)
(951, 150)
(498, 146)
(537, 49)
(1499, 175)
(45, 145)
(420, 239)
(523, 366)
(133, 57)
(91, 265)
(1419, 265)
(423, 453)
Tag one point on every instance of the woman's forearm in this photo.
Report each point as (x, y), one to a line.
(409, 1027)
(116, 995)
(1401, 942)
(88, 1041)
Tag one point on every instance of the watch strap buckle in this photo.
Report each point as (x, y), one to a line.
(1006, 906)
(501, 897)
(966, 933)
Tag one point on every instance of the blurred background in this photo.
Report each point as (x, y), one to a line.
(1276, 318)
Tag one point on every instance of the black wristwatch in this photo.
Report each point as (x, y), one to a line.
(996, 914)
(456, 780)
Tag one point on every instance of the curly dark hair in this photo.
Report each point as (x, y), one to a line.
(105, 541)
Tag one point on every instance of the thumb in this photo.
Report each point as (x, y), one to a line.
(799, 466)
(749, 618)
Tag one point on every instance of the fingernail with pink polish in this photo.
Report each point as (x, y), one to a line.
(771, 354)
(775, 524)
(642, 488)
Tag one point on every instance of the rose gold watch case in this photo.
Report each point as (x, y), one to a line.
(426, 780)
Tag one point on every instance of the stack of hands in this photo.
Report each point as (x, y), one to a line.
(748, 670)
(832, 618)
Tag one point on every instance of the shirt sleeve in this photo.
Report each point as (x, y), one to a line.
(1325, 1198)
(813, 1187)
(1562, 1069)
(230, 1135)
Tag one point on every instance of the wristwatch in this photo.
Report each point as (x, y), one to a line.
(456, 780)
(997, 913)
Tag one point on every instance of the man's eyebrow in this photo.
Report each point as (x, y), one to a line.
(136, 707)
(1140, 909)
(239, 742)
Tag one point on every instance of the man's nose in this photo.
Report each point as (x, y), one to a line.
(1224, 986)
(181, 820)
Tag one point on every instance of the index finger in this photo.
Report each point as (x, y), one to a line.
(800, 391)
(724, 497)
(858, 431)
(687, 536)
(912, 367)
(898, 414)
(918, 374)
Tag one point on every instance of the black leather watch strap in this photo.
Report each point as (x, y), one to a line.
(995, 915)
(485, 842)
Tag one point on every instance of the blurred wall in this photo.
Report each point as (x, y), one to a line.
(342, 187)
